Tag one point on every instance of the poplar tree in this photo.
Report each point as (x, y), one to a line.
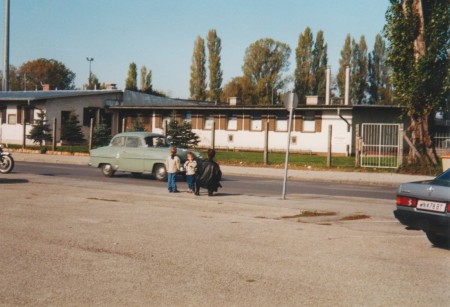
(419, 36)
(303, 72)
(319, 65)
(198, 72)
(131, 81)
(215, 71)
(379, 74)
(146, 80)
(264, 62)
(344, 61)
(358, 72)
(143, 75)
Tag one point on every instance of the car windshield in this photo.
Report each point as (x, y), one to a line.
(156, 141)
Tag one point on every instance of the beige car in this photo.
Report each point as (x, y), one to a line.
(137, 153)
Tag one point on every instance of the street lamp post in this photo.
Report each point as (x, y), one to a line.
(90, 72)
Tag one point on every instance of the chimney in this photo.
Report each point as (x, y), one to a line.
(46, 87)
(235, 101)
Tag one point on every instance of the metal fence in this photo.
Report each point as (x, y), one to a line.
(442, 143)
(381, 145)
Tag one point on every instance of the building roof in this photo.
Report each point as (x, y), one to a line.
(45, 95)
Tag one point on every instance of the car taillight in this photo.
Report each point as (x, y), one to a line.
(448, 207)
(407, 201)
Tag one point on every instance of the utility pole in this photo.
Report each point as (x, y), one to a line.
(5, 85)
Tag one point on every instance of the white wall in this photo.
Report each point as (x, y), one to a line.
(316, 142)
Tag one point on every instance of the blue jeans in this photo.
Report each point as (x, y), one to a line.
(171, 182)
(190, 179)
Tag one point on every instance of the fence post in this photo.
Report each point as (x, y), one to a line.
(213, 135)
(24, 128)
(266, 144)
(330, 135)
(357, 147)
(401, 133)
(91, 132)
(54, 135)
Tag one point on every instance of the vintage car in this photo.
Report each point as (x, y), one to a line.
(135, 152)
(425, 205)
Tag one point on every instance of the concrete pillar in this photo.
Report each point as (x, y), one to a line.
(347, 85)
(327, 86)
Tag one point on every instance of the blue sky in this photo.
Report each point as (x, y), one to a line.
(161, 34)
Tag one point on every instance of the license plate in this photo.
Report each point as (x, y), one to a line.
(431, 206)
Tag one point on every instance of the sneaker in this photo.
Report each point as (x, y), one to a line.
(176, 191)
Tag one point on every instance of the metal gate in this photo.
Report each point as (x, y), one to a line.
(381, 145)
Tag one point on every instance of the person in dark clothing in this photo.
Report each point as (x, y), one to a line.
(208, 174)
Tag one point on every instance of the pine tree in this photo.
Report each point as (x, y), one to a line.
(41, 131)
(215, 71)
(71, 130)
(319, 66)
(101, 135)
(379, 74)
(181, 135)
(131, 81)
(303, 72)
(198, 72)
(344, 61)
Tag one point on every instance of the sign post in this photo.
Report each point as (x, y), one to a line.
(290, 102)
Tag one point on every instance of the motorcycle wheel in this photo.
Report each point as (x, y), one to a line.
(6, 164)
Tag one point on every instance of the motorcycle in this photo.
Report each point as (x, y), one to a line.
(6, 161)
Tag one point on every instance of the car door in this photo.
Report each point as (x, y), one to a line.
(132, 157)
(155, 153)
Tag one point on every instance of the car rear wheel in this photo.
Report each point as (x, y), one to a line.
(160, 172)
(107, 170)
(438, 240)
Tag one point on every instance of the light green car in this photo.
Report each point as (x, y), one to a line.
(136, 152)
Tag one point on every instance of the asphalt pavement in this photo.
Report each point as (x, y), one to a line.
(364, 178)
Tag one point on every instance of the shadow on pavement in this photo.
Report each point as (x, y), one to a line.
(10, 181)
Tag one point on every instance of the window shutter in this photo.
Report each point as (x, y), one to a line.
(318, 122)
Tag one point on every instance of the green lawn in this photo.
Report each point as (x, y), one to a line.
(277, 159)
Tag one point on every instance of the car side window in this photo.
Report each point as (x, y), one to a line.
(132, 142)
(118, 141)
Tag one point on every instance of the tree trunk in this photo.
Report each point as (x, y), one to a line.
(422, 141)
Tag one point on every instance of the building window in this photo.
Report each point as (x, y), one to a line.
(188, 117)
(232, 123)
(89, 113)
(294, 140)
(256, 124)
(230, 138)
(12, 119)
(309, 121)
(209, 122)
(282, 124)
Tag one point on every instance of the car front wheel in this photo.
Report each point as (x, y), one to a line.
(160, 172)
(107, 170)
(438, 240)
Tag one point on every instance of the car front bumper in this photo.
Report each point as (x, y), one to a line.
(423, 221)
